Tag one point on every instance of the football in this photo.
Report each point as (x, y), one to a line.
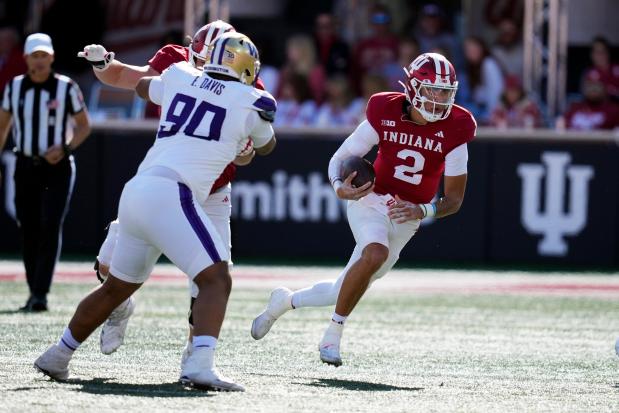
(364, 168)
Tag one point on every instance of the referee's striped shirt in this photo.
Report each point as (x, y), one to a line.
(41, 111)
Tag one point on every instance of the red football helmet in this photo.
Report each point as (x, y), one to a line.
(431, 86)
(204, 37)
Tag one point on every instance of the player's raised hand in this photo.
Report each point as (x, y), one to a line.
(402, 211)
(348, 191)
(97, 56)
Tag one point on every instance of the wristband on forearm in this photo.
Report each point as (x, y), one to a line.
(429, 210)
(336, 182)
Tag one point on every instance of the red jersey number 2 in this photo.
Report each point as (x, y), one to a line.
(408, 173)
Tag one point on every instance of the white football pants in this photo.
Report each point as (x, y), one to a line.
(175, 227)
(369, 224)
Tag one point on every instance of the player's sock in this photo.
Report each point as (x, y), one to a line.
(204, 341)
(339, 319)
(333, 332)
(68, 342)
(320, 294)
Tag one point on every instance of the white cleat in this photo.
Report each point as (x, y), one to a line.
(114, 328)
(279, 303)
(329, 346)
(200, 373)
(330, 353)
(54, 363)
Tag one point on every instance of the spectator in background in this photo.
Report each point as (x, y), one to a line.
(295, 107)
(371, 85)
(408, 50)
(340, 108)
(508, 50)
(12, 61)
(607, 71)
(481, 86)
(516, 109)
(269, 72)
(431, 33)
(301, 59)
(376, 52)
(333, 53)
(353, 18)
(595, 111)
(496, 11)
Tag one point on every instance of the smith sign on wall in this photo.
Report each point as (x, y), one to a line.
(525, 203)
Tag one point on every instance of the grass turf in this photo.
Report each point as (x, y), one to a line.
(419, 352)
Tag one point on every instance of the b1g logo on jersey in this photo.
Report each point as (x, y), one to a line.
(385, 122)
(554, 222)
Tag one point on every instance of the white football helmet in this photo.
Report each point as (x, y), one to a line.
(198, 48)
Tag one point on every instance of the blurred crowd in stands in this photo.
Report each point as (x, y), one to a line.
(327, 77)
(326, 81)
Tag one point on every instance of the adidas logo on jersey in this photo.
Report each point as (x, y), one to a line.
(439, 134)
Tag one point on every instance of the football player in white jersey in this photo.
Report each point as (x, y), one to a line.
(206, 119)
(218, 207)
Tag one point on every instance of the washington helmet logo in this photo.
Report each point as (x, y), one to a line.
(554, 222)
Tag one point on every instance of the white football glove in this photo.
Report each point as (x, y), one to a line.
(97, 56)
(245, 147)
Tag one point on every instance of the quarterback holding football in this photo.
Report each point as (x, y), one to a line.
(422, 137)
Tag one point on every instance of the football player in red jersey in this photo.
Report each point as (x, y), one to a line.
(115, 73)
(421, 137)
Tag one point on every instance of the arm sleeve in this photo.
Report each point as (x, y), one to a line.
(359, 143)
(6, 97)
(456, 160)
(155, 90)
(76, 98)
(260, 130)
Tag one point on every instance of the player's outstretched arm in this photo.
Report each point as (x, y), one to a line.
(113, 72)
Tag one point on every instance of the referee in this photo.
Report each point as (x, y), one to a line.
(39, 105)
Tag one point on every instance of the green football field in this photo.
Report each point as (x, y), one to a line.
(420, 341)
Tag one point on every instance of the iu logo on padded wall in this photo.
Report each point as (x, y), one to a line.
(558, 219)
